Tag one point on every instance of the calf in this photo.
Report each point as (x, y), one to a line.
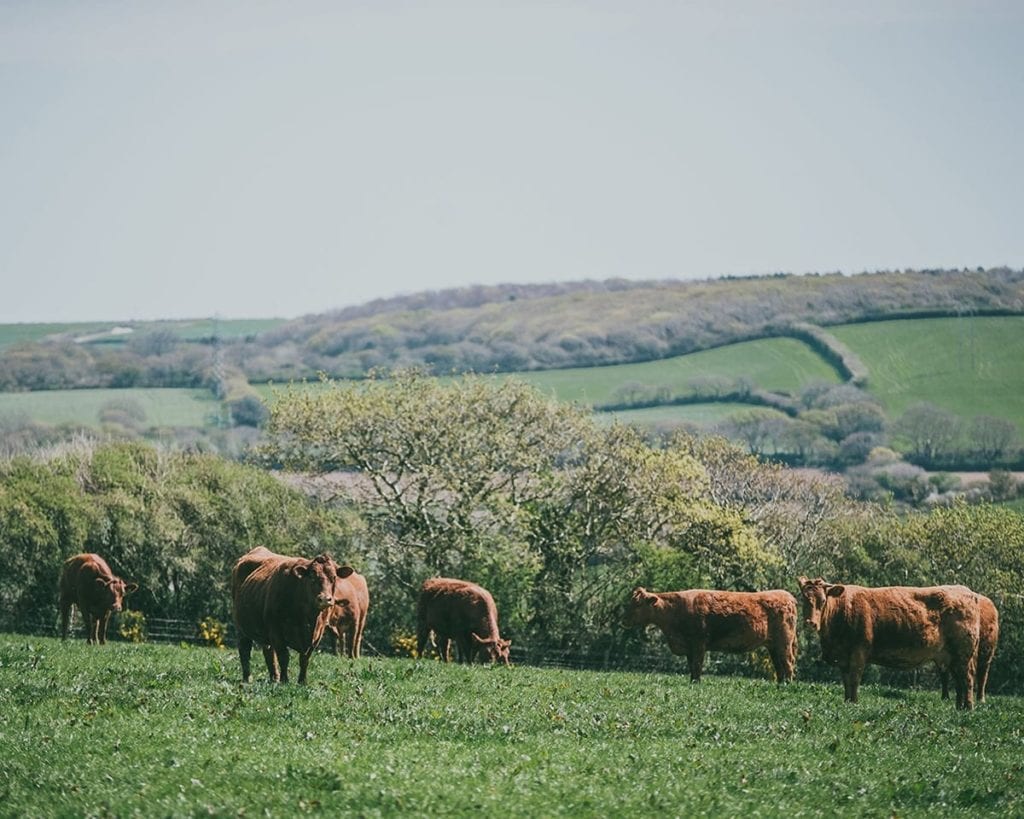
(461, 611)
(346, 619)
(87, 582)
(280, 603)
(988, 637)
(701, 620)
(897, 627)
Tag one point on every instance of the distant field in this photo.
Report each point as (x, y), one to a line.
(157, 730)
(970, 366)
(163, 407)
(188, 329)
(783, 364)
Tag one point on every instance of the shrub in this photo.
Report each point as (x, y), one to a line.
(211, 632)
(131, 625)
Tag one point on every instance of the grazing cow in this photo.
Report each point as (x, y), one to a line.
(701, 620)
(897, 627)
(280, 603)
(347, 617)
(988, 637)
(461, 611)
(87, 582)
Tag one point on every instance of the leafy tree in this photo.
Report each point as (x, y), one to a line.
(928, 432)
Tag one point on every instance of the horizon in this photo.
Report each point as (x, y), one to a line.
(195, 161)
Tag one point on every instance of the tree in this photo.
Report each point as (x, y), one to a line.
(928, 432)
(991, 438)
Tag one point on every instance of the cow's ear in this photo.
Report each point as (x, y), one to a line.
(345, 571)
(478, 639)
(300, 569)
(102, 581)
(506, 644)
(131, 587)
(835, 591)
(802, 581)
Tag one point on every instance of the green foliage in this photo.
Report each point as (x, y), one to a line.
(172, 733)
(131, 625)
(174, 523)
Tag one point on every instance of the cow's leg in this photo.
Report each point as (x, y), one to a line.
(361, 624)
(304, 657)
(245, 657)
(350, 640)
(65, 619)
(270, 658)
(422, 636)
(852, 674)
(90, 627)
(695, 660)
(101, 629)
(981, 677)
(944, 679)
(782, 662)
(963, 679)
(282, 661)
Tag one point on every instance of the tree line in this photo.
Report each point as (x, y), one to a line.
(520, 327)
(558, 516)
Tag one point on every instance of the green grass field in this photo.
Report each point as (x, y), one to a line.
(783, 364)
(970, 366)
(188, 329)
(163, 407)
(155, 730)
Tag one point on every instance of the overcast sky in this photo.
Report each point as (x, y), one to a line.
(249, 159)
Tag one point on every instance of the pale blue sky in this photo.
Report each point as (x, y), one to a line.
(181, 159)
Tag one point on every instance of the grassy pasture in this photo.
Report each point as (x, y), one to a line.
(161, 730)
(187, 329)
(972, 365)
(783, 364)
(163, 406)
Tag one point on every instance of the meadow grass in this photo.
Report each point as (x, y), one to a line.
(972, 365)
(167, 406)
(782, 364)
(158, 730)
(187, 329)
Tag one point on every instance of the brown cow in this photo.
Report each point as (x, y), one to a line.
(700, 620)
(461, 611)
(87, 582)
(896, 627)
(988, 637)
(347, 617)
(280, 603)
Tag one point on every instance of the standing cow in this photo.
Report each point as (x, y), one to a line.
(701, 620)
(347, 617)
(988, 637)
(464, 612)
(87, 582)
(280, 603)
(897, 627)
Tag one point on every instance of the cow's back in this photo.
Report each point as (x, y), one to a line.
(451, 606)
(78, 575)
(903, 626)
(256, 591)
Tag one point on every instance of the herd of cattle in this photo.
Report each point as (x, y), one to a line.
(283, 603)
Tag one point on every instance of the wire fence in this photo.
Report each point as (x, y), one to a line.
(179, 632)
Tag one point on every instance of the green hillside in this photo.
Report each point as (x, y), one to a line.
(782, 364)
(163, 407)
(703, 415)
(970, 366)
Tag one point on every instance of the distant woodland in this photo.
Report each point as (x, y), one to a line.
(509, 328)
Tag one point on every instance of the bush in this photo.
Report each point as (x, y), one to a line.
(131, 625)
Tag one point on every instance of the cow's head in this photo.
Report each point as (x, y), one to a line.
(492, 649)
(111, 591)
(815, 594)
(318, 577)
(640, 607)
